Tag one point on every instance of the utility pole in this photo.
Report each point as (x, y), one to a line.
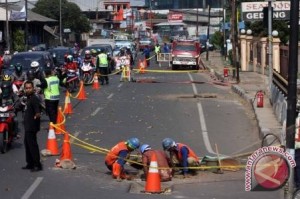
(270, 40)
(197, 20)
(26, 26)
(233, 28)
(60, 24)
(7, 27)
(292, 90)
(224, 30)
(207, 41)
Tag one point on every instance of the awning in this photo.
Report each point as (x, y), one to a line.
(51, 31)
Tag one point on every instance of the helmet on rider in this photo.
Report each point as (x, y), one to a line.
(168, 143)
(93, 52)
(133, 143)
(35, 66)
(87, 54)
(69, 58)
(6, 77)
(144, 148)
(18, 68)
(99, 50)
(30, 75)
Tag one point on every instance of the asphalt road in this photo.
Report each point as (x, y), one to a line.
(150, 111)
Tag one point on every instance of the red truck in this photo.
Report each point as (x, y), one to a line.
(185, 54)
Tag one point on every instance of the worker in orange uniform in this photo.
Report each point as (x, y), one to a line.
(163, 162)
(116, 157)
(181, 155)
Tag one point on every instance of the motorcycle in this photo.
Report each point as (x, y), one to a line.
(121, 62)
(87, 73)
(18, 83)
(72, 80)
(6, 126)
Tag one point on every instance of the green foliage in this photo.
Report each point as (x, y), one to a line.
(258, 30)
(18, 40)
(217, 39)
(71, 14)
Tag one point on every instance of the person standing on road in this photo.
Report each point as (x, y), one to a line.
(162, 161)
(116, 157)
(181, 155)
(146, 52)
(51, 91)
(32, 116)
(157, 51)
(102, 66)
(166, 48)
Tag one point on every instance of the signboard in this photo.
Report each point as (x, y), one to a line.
(67, 30)
(175, 17)
(253, 11)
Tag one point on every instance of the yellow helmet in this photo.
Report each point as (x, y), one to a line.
(6, 77)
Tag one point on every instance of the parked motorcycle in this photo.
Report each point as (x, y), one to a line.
(87, 73)
(72, 80)
(6, 126)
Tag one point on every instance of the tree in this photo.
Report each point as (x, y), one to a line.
(217, 39)
(18, 40)
(72, 17)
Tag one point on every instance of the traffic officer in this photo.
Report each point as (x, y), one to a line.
(51, 91)
(162, 161)
(157, 51)
(116, 157)
(181, 155)
(102, 66)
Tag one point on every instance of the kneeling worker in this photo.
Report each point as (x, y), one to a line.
(163, 162)
(181, 155)
(116, 157)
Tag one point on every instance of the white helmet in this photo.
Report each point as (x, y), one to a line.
(35, 66)
(6, 52)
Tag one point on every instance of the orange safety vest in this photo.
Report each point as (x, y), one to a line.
(113, 154)
(190, 154)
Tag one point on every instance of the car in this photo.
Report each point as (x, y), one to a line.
(146, 41)
(26, 58)
(58, 54)
(127, 44)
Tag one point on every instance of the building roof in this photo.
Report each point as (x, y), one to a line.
(32, 16)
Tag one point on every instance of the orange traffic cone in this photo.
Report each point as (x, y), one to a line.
(96, 83)
(60, 122)
(66, 153)
(68, 106)
(141, 67)
(51, 142)
(153, 178)
(81, 94)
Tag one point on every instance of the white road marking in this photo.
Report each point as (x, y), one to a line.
(96, 111)
(202, 121)
(31, 189)
(75, 135)
(110, 96)
(121, 84)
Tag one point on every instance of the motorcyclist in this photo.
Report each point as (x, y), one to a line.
(18, 74)
(88, 57)
(77, 58)
(8, 96)
(36, 82)
(35, 66)
(70, 65)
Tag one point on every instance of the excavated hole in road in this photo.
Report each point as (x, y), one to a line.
(138, 187)
(202, 95)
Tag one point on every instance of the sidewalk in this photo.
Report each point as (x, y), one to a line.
(250, 83)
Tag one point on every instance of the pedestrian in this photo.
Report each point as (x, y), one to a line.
(32, 114)
(102, 66)
(116, 157)
(181, 155)
(50, 84)
(157, 51)
(146, 52)
(166, 48)
(163, 162)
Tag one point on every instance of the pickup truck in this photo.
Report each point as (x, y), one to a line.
(185, 54)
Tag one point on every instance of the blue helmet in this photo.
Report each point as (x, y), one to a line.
(144, 148)
(133, 143)
(168, 143)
